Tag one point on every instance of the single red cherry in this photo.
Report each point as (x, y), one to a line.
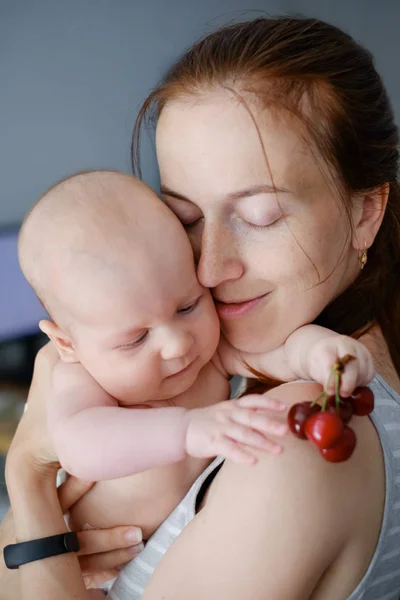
(298, 415)
(343, 448)
(362, 400)
(324, 429)
(345, 410)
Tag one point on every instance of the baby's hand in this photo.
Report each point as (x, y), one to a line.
(323, 355)
(234, 427)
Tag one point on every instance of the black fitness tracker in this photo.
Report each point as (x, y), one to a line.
(16, 555)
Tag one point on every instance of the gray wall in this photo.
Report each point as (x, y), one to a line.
(73, 73)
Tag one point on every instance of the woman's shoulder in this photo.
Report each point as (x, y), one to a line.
(280, 526)
(301, 469)
(320, 507)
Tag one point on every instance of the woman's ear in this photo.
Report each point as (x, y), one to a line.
(368, 212)
(61, 341)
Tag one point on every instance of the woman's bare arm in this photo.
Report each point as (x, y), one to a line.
(9, 580)
(31, 464)
(269, 531)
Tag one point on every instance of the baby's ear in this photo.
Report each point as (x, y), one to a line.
(61, 341)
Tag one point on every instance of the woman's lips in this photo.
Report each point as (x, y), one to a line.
(227, 310)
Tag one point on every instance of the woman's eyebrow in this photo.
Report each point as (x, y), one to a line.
(246, 193)
(254, 191)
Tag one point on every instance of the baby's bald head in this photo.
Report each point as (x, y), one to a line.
(97, 222)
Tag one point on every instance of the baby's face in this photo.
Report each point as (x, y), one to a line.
(144, 326)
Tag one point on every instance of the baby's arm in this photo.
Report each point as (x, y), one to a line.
(96, 439)
(309, 353)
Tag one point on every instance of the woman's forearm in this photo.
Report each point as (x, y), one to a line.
(37, 514)
(9, 580)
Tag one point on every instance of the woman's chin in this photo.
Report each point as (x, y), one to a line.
(252, 338)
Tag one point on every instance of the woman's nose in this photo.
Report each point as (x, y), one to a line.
(219, 260)
(176, 344)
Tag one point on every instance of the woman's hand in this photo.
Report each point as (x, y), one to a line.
(103, 551)
(31, 443)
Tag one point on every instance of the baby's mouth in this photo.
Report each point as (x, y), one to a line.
(181, 371)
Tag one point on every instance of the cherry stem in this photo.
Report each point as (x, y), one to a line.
(336, 373)
(337, 386)
(318, 398)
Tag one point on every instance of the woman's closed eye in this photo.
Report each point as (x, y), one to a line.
(259, 212)
(260, 227)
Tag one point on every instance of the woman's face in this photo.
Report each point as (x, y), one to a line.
(262, 251)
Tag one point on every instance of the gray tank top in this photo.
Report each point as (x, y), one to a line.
(382, 579)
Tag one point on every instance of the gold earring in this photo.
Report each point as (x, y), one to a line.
(362, 256)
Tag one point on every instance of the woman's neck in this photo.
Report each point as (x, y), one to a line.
(376, 344)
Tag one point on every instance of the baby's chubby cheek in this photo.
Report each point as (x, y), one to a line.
(210, 331)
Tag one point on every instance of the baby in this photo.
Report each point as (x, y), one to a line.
(139, 397)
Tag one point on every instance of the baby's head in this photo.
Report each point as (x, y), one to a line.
(115, 270)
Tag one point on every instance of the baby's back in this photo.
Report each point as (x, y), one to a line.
(144, 500)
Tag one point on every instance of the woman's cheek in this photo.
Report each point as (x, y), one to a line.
(274, 255)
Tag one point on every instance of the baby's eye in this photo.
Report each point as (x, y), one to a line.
(189, 308)
(138, 342)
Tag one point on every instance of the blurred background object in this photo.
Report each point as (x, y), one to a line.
(73, 76)
(20, 339)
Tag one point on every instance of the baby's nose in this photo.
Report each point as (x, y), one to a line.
(177, 345)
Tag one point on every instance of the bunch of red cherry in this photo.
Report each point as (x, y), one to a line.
(325, 420)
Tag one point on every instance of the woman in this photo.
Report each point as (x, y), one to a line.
(278, 152)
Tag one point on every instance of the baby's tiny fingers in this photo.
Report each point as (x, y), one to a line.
(249, 437)
(235, 452)
(349, 379)
(366, 372)
(261, 401)
(259, 421)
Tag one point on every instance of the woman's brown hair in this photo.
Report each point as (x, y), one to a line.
(348, 118)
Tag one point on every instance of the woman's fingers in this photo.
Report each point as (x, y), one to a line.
(71, 491)
(105, 551)
(95, 541)
(106, 561)
(98, 578)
